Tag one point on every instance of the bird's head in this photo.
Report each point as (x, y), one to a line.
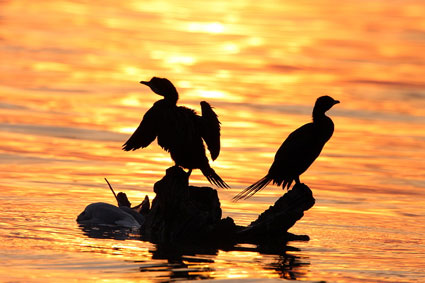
(161, 86)
(324, 103)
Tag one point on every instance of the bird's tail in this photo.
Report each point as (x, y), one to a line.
(251, 190)
(213, 178)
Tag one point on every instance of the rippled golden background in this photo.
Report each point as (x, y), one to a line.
(69, 98)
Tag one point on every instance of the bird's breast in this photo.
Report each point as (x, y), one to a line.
(324, 129)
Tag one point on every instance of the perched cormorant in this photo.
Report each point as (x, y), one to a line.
(180, 131)
(298, 151)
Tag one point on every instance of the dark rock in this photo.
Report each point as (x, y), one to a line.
(274, 223)
(144, 207)
(181, 213)
(123, 200)
(101, 213)
(187, 214)
(139, 217)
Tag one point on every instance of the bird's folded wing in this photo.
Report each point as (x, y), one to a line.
(210, 129)
(145, 133)
(298, 151)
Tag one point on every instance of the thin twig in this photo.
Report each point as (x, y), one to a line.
(112, 189)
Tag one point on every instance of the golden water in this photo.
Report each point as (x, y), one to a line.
(69, 98)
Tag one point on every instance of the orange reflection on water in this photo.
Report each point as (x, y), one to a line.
(70, 97)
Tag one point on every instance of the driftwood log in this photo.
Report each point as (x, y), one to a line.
(185, 214)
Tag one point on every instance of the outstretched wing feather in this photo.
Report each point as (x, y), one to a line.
(145, 134)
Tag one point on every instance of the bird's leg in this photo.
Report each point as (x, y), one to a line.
(297, 180)
(289, 184)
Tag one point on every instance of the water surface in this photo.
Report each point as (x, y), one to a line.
(69, 98)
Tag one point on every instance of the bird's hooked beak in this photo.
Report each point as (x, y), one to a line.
(152, 86)
(336, 102)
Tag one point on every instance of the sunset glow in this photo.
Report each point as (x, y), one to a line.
(70, 97)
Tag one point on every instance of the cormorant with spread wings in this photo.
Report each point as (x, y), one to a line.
(180, 131)
(298, 151)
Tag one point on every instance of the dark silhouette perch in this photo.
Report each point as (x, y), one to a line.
(101, 213)
(188, 217)
(180, 131)
(298, 151)
(185, 223)
(123, 215)
(124, 203)
(121, 198)
(185, 214)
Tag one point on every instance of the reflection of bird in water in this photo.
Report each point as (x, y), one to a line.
(298, 151)
(180, 131)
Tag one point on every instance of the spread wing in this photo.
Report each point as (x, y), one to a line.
(210, 129)
(145, 133)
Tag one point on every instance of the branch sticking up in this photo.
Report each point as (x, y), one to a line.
(115, 195)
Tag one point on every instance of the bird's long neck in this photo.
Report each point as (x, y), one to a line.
(324, 125)
(319, 115)
(171, 97)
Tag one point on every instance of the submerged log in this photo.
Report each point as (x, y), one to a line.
(187, 214)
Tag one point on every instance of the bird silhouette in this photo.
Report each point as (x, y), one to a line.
(298, 151)
(180, 131)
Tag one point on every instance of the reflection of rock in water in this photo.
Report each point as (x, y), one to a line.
(110, 232)
(180, 268)
(289, 267)
(189, 262)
